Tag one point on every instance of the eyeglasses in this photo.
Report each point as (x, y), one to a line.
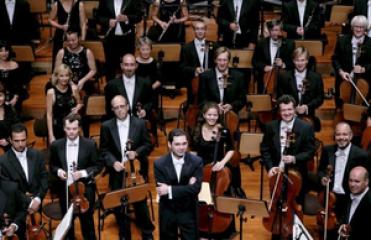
(119, 107)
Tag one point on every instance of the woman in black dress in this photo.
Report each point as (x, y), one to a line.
(62, 99)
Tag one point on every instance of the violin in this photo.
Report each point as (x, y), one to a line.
(77, 190)
(5, 222)
(326, 218)
(210, 220)
(132, 166)
(285, 187)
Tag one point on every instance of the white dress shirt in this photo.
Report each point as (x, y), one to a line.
(129, 84)
(200, 48)
(341, 159)
(237, 8)
(273, 46)
(117, 6)
(178, 164)
(72, 153)
(284, 128)
(220, 82)
(123, 128)
(356, 199)
(299, 77)
(355, 43)
(10, 7)
(22, 159)
(301, 11)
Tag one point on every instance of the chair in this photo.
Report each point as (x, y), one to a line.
(353, 112)
(315, 47)
(167, 52)
(241, 58)
(23, 53)
(90, 7)
(95, 108)
(259, 108)
(339, 14)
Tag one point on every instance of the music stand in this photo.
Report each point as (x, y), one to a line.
(240, 207)
(122, 197)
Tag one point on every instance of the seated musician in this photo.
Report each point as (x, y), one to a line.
(114, 135)
(12, 211)
(178, 178)
(352, 55)
(223, 85)
(304, 85)
(355, 219)
(136, 89)
(273, 51)
(196, 56)
(75, 159)
(26, 167)
(301, 19)
(361, 7)
(169, 17)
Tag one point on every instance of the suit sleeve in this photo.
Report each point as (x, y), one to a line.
(43, 177)
(322, 169)
(319, 96)
(265, 147)
(145, 141)
(336, 63)
(95, 165)
(257, 59)
(105, 154)
(188, 71)
(240, 100)
(287, 25)
(55, 162)
(307, 148)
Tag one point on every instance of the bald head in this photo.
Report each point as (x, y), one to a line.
(343, 135)
(120, 107)
(358, 180)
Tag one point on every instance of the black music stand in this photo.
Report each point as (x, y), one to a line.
(240, 207)
(123, 197)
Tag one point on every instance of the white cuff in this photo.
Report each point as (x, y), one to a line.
(170, 192)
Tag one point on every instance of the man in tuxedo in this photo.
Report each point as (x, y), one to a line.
(16, 22)
(341, 157)
(223, 85)
(301, 19)
(178, 177)
(238, 22)
(26, 167)
(118, 19)
(356, 214)
(12, 210)
(272, 51)
(114, 135)
(75, 159)
(137, 90)
(275, 138)
(304, 85)
(352, 55)
(196, 56)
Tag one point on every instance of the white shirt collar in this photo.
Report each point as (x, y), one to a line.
(199, 43)
(301, 3)
(359, 196)
(300, 74)
(177, 161)
(128, 80)
(124, 122)
(288, 125)
(20, 154)
(72, 143)
(355, 40)
(346, 150)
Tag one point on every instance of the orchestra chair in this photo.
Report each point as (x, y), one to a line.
(96, 47)
(338, 17)
(241, 58)
(259, 109)
(168, 52)
(95, 108)
(211, 32)
(90, 6)
(353, 113)
(315, 47)
(23, 53)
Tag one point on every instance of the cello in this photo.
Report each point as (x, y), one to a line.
(285, 187)
(210, 220)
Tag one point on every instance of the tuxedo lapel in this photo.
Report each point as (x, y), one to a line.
(62, 155)
(295, 11)
(115, 133)
(194, 53)
(4, 12)
(277, 139)
(186, 167)
(81, 154)
(293, 86)
(267, 50)
(214, 84)
(31, 165)
(171, 170)
(132, 130)
(2, 202)
(137, 91)
(17, 165)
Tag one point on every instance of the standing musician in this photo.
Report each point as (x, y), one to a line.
(222, 85)
(272, 52)
(274, 141)
(75, 159)
(118, 19)
(134, 88)
(238, 22)
(178, 177)
(114, 135)
(355, 221)
(196, 56)
(352, 55)
(301, 19)
(26, 167)
(304, 85)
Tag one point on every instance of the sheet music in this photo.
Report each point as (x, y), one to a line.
(299, 231)
(205, 194)
(64, 225)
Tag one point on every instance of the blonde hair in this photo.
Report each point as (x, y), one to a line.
(57, 70)
(300, 51)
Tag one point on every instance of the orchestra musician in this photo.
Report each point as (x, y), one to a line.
(271, 52)
(305, 85)
(75, 159)
(356, 214)
(178, 178)
(301, 19)
(362, 7)
(118, 19)
(274, 140)
(134, 88)
(196, 56)
(238, 22)
(223, 85)
(26, 167)
(352, 55)
(114, 135)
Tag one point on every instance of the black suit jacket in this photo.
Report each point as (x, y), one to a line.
(184, 195)
(234, 94)
(12, 170)
(189, 59)
(249, 20)
(313, 96)
(290, 18)
(142, 94)
(303, 148)
(342, 57)
(357, 156)
(13, 204)
(132, 9)
(360, 223)
(110, 148)
(23, 28)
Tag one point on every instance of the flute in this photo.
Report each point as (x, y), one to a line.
(121, 12)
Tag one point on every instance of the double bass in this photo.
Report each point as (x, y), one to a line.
(285, 187)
